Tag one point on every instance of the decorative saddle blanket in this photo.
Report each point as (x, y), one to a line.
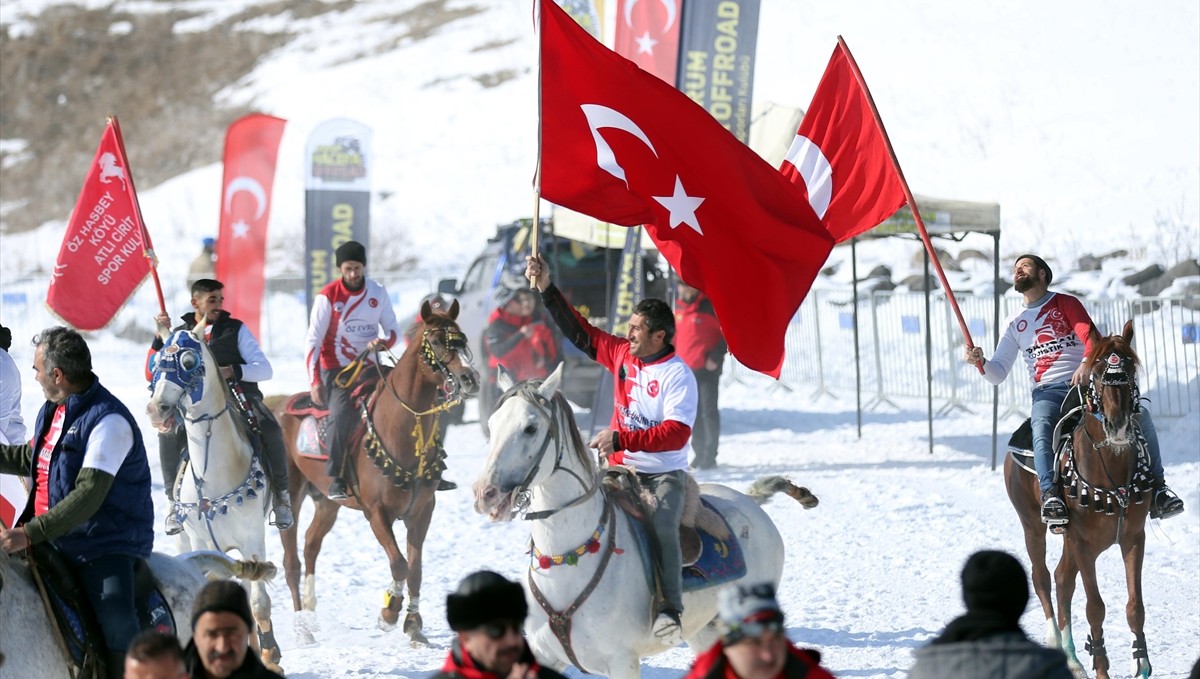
(312, 440)
(720, 560)
(73, 613)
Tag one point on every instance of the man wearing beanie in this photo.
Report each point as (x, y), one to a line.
(987, 642)
(753, 642)
(221, 628)
(349, 316)
(487, 612)
(1053, 332)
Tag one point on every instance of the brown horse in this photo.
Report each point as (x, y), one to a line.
(1104, 470)
(395, 465)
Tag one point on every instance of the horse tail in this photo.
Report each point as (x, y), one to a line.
(219, 565)
(765, 487)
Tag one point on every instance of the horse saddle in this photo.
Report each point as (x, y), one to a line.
(72, 611)
(711, 555)
(1020, 444)
(313, 438)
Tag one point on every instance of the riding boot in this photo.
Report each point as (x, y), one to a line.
(1054, 512)
(284, 518)
(1165, 502)
(174, 523)
(337, 489)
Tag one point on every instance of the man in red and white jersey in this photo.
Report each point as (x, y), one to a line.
(651, 428)
(1053, 333)
(349, 316)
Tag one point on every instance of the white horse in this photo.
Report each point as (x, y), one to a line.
(602, 603)
(29, 642)
(221, 491)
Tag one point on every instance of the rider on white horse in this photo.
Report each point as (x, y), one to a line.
(91, 484)
(243, 363)
(651, 428)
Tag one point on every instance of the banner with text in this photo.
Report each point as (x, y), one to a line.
(337, 197)
(647, 33)
(103, 257)
(251, 147)
(716, 59)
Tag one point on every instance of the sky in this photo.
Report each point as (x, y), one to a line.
(1078, 118)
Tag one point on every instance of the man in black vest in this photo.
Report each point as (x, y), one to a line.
(243, 362)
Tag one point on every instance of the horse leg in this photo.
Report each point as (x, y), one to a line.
(323, 519)
(1095, 614)
(1064, 583)
(260, 608)
(291, 553)
(1133, 551)
(1035, 545)
(415, 531)
(393, 598)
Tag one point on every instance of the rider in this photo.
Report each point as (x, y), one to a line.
(91, 485)
(351, 316)
(1053, 332)
(655, 394)
(241, 362)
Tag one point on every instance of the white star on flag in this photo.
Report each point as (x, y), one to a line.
(646, 43)
(682, 206)
(240, 228)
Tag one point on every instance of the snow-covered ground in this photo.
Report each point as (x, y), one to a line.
(1079, 118)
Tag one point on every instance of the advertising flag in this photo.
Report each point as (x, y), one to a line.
(104, 250)
(337, 196)
(251, 147)
(716, 59)
(840, 155)
(622, 146)
(647, 33)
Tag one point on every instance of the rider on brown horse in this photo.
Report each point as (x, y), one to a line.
(1052, 331)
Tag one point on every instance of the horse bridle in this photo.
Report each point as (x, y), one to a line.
(549, 408)
(456, 343)
(1117, 371)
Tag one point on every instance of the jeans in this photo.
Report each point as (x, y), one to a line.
(707, 429)
(108, 583)
(668, 488)
(1151, 436)
(1047, 403)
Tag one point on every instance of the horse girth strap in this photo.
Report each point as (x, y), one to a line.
(560, 621)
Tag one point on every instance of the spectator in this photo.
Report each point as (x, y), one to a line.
(91, 485)
(487, 613)
(12, 426)
(753, 643)
(518, 340)
(155, 655)
(204, 265)
(241, 362)
(987, 642)
(701, 345)
(221, 627)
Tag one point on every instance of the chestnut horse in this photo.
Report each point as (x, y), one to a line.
(1107, 500)
(396, 466)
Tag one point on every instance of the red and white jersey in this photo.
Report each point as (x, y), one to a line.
(343, 323)
(1052, 336)
(645, 396)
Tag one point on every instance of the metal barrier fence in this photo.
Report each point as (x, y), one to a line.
(820, 339)
(892, 349)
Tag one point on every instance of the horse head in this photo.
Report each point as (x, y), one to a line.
(1112, 391)
(444, 352)
(531, 418)
(179, 377)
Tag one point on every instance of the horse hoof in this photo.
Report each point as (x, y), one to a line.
(306, 626)
(386, 624)
(418, 640)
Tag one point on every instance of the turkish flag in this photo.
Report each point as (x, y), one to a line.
(648, 35)
(251, 146)
(627, 148)
(104, 257)
(841, 154)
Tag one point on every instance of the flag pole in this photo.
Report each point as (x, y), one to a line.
(908, 196)
(537, 168)
(148, 249)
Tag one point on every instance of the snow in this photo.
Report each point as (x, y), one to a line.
(1079, 118)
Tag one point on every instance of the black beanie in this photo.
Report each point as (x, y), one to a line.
(995, 581)
(484, 597)
(350, 251)
(223, 596)
(5, 338)
(1041, 263)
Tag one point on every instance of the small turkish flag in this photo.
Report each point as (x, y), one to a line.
(841, 155)
(648, 35)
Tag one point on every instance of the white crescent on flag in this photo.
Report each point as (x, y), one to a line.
(814, 169)
(602, 116)
(669, 5)
(251, 186)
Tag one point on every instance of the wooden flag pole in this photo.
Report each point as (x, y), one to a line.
(912, 203)
(148, 249)
(537, 168)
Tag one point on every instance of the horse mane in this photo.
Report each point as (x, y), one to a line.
(531, 391)
(1112, 344)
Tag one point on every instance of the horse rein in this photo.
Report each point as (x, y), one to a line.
(550, 409)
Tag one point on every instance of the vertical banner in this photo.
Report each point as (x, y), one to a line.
(629, 290)
(251, 147)
(104, 257)
(647, 33)
(587, 13)
(716, 59)
(337, 196)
